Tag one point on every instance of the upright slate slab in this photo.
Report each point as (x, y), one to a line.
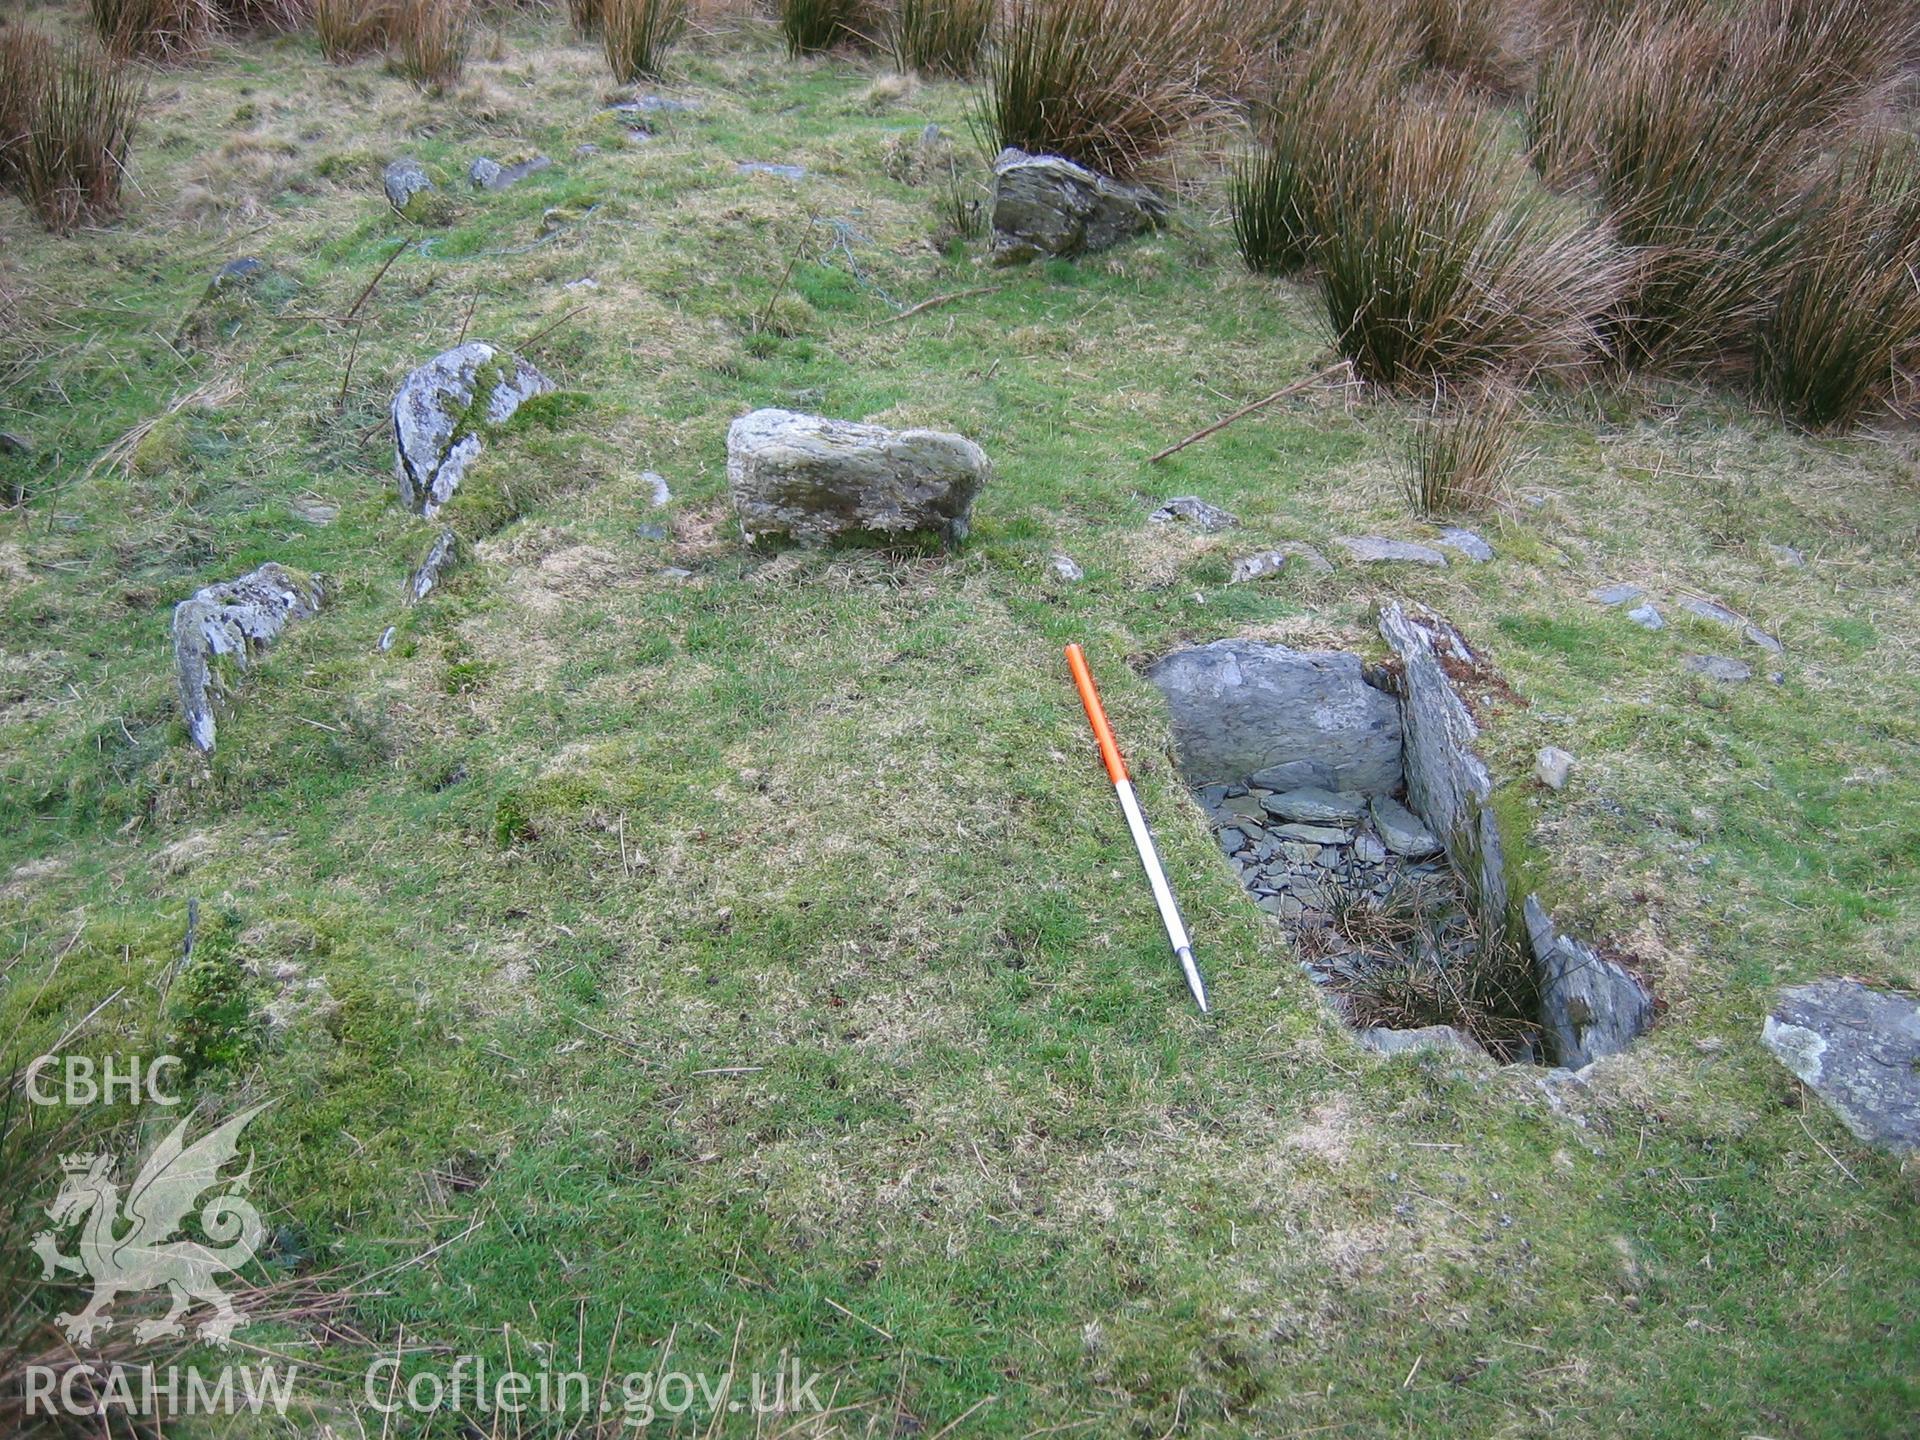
(1238, 707)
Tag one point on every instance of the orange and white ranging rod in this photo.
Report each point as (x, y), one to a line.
(1142, 837)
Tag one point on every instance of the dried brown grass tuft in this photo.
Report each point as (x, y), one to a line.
(349, 29)
(431, 37)
(636, 35)
(1463, 450)
(1107, 83)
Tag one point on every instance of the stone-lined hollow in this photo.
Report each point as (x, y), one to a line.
(1354, 807)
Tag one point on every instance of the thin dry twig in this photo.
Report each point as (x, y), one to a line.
(1245, 410)
(937, 301)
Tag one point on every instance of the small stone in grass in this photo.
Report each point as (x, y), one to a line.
(1717, 667)
(1553, 766)
(1647, 617)
(1257, 567)
(1063, 567)
(1192, 510)
(1455, 537)
(1620, 594)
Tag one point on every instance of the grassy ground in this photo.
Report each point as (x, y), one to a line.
(758, 958)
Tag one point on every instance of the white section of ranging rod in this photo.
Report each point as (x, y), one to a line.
(1162, 892)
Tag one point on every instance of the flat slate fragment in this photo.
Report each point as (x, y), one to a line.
(1620, 594)
(1192, 510)
(1858, 1049)
(1718, 667)
(1467, 543)
(1731, 620)
(1379, 550)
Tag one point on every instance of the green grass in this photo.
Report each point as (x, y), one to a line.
(697, 953)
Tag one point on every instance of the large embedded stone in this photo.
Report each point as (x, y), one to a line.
(1447, 782)
(814, 481)
(1589, 1007)
(1045, 205)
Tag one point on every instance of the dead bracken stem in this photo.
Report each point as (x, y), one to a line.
(793, 260)
(340, 401)
(1246, 410)
(381, 274)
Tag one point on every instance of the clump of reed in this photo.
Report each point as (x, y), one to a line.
(939, 37)
(1106, 83)
(636, 35)
(68, 113)
(431, 38)
(813, 27)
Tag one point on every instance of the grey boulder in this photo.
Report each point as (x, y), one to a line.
(1237, 707)
(403, 180)
(442, 412)
(1192, 510)
(1046, 205)
(487, 173)
(814, 481)
(237, 619)
(1589, 1007)
(1858, 1049)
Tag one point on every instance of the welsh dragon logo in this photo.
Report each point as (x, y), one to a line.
(132, 1247)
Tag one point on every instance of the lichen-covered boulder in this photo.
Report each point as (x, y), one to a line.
(404, 181)
(1044, 205)
(815, 481)
(1238, 708)
(443, 411)
(237, 619)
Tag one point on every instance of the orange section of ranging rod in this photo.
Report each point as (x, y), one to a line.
(1096, 714)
